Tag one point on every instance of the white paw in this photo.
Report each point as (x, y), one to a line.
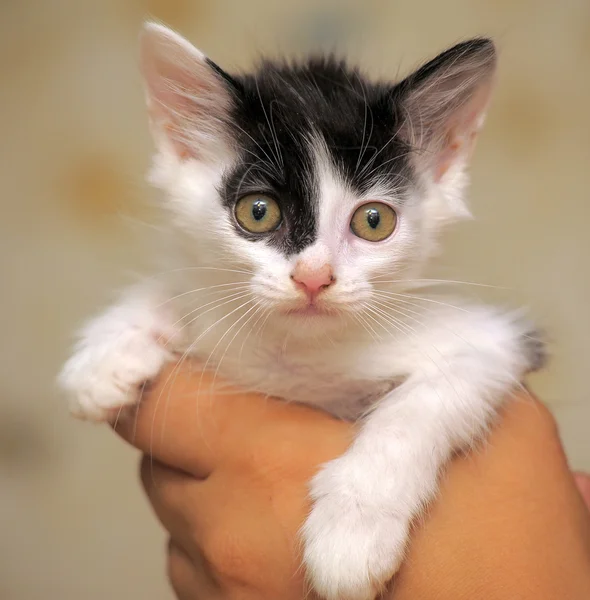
(354, 540)
(106, 374)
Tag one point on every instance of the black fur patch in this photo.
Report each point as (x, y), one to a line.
(536, 350)
(279, 109)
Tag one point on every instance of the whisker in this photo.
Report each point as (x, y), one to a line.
(204, 367)
(201, 268)
(398, 176)
(270, 162)
(227, 299)
(451, 331)
(390, 319)
(256, 309)
(277, 155)
(174, 373)
(264, 311)
(436, 281)
(260, 331)
(210, 287)
(417, 346)
(392, 302)
(367, 326)
(211, 354)
(374, 157)
(368, 111)
(420, 298)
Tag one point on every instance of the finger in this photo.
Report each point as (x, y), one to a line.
(178, 501)
(222, 524)
(188, 578)
(583, 483)
(187, 421)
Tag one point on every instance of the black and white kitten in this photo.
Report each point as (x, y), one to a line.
(303, 201)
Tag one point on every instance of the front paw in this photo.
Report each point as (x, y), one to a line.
(103, 377)
(354, 540)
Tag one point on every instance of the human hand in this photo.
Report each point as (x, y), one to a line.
(227, 476)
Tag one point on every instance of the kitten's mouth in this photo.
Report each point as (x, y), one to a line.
(310, 310)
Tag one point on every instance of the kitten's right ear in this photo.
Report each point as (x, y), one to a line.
(188, 97)
(443, 104)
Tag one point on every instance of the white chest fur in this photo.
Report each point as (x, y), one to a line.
(337, 376)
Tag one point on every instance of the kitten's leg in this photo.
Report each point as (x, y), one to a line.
(364, 502)
(117, 353)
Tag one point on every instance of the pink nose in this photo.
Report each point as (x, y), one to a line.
(312, 280)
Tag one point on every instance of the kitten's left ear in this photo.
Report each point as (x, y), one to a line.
(443, 105)
(188, 97)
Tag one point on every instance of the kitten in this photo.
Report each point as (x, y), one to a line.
(302, 202)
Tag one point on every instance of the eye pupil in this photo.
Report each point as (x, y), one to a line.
(259, 209)
(374, 221)
(373, 218)
(257, 213)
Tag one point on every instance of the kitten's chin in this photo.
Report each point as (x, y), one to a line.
(309, 320)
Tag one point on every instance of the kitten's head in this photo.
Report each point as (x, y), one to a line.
(321, 185)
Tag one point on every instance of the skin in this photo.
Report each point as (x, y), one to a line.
(227, 473)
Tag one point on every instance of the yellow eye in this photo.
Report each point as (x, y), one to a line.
(257, 213)
(373, 222)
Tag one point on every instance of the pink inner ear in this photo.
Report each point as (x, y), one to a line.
(169, 112)
(446, 159)
(169, 105)
(187, 101)
(462, 134)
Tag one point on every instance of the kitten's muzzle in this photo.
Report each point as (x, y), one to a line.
(312, 279)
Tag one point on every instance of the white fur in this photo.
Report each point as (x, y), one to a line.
(424, 376)
(117, 353)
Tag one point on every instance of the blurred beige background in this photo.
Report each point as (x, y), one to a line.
(74, 148)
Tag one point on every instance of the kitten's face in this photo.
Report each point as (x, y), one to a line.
(319, 245)
(322, 188)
